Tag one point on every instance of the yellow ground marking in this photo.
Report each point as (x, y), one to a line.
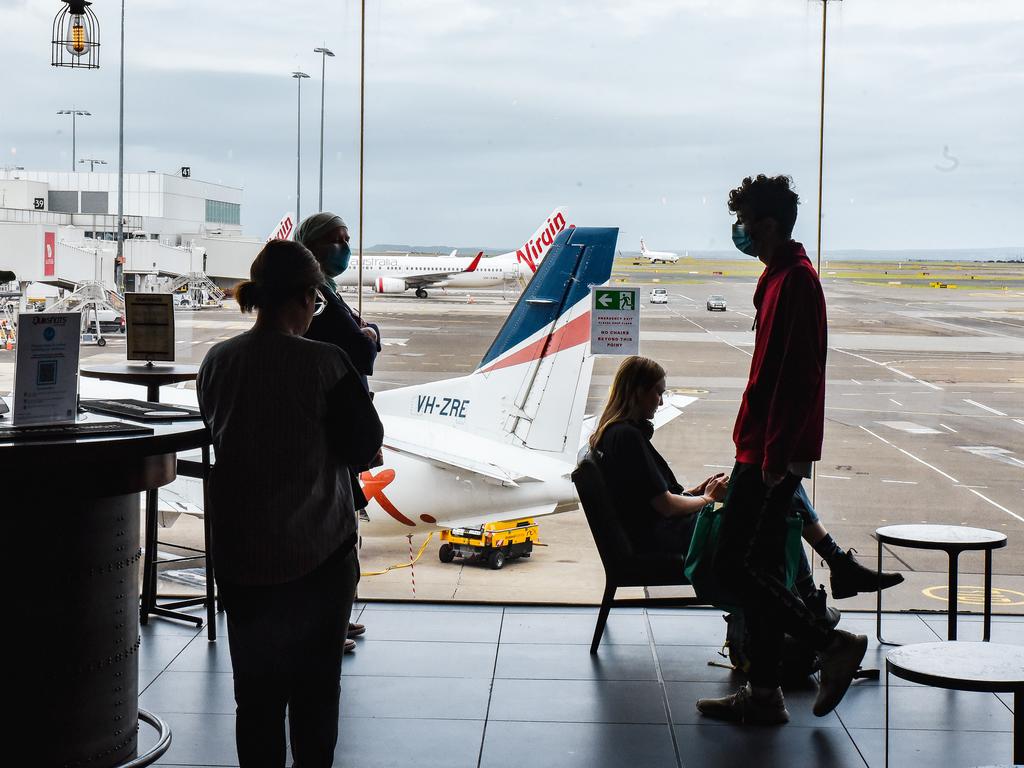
(1001, 598)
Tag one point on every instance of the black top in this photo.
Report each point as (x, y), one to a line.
(636, 474)
(339, 325)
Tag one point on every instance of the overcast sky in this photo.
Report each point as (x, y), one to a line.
(483, 115)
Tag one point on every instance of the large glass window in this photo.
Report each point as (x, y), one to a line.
(218, 212)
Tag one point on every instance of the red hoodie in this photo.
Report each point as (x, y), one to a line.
(782, 415)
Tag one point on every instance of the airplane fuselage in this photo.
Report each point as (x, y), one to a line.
(489, 272)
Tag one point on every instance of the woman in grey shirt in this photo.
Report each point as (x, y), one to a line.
(288, 416)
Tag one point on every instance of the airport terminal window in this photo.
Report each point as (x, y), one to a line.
(218, 212)
(61, 201)
(94, 202)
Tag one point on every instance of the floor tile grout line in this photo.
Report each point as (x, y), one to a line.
(490, 692)
(165, 667)
(849, 735)
(664, 691)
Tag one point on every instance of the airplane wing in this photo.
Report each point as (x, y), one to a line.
(666, 413)
(497, 517)
(425, 280)
(457, 462)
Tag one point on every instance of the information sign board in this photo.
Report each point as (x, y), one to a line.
(615, 321)
(46, 368)
(149, 321)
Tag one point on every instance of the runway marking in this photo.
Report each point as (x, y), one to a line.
(896, 401)
(948, 428)
(719, 466)
(856, 382)
(995, 504)
(908, 453)
(1020, 421)
(901, 482)
(911, 427)
(835, 477)
(889, 368)
(985, 407)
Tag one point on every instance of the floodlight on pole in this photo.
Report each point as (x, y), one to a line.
(92, 163)
(324, 53)
(299, 76)
(74, 116)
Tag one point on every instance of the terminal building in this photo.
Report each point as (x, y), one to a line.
(58, 229)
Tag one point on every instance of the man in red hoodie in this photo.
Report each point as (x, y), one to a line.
(778, 435)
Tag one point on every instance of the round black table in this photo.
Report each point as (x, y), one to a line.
(951, 539)
(152, 376)
(74, 507)
(960, 666)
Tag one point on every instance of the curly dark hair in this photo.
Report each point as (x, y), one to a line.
(767, 196)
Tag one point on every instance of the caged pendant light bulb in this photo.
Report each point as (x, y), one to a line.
(76, 36)
(77, 41)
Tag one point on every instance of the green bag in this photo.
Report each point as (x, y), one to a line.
(704, 544)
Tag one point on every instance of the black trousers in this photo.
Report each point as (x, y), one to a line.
(750, 561)
(286, 643)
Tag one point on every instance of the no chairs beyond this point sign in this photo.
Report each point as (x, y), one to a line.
(615, 321)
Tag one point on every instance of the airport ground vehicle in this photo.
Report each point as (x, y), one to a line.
(493, 542)
(716, 303)
(659, 296)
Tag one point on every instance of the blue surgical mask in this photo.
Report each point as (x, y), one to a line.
(742, 240)
(336, 259)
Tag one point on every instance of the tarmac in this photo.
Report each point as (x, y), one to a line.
(924, 418)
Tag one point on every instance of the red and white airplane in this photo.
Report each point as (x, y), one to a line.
(398, 273)
(654, 257)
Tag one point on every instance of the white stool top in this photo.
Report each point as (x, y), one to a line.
(941, 536)
(963, 666)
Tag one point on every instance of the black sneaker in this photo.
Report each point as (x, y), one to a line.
(850, 577)
(743, 707)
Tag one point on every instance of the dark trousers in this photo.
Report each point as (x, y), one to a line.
(750, 561)
(286, 644)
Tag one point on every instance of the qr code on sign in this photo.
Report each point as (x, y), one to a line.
(46, 373)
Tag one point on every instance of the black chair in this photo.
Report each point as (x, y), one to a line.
(624, 566)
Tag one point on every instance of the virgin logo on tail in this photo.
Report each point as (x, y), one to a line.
(284, 228)
(534, 250)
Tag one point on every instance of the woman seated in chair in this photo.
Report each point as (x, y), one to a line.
(658, 514)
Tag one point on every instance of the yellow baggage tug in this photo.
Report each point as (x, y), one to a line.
(493, 542)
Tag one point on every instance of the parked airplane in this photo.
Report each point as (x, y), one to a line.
(500, 443)
(664, 257)
(399, 273)
(497, 444)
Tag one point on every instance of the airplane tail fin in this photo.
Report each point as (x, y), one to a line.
(643, 247)
(285, 228)
(530, 255)
(530, 390)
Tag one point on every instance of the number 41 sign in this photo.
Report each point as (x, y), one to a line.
(615, 321)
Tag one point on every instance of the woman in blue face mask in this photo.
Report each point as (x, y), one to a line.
(325, 234)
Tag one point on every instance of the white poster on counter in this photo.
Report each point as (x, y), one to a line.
(46, 368)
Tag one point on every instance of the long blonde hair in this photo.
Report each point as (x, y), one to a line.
(636, 375)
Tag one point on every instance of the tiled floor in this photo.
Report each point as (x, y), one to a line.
(459, 685)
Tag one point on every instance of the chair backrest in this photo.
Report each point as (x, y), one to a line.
(612, 542)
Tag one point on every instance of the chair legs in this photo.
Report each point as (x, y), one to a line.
(602, 615)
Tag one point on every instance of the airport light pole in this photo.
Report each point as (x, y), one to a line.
(74, 116)
(92, 163)
(324, 53)
(298, 146)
